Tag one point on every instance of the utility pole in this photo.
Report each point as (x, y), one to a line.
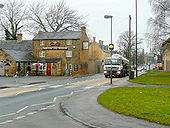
(136, 5)
(129, 47)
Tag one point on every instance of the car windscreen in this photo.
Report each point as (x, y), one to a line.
(114, 61)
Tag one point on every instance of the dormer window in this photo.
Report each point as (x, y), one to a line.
(42, 42)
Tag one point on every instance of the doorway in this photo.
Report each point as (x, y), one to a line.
(48, 70)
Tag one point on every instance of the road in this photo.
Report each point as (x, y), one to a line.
(28, 106)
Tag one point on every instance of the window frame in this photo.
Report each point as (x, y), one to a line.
(69, 54)
(42, 54)
(42, 43)
(69, 42)
(85, 45)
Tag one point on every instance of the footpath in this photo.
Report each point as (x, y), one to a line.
(84, 108)
(11, 82)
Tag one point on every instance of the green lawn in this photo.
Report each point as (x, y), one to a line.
(148, 103)
(153, 78)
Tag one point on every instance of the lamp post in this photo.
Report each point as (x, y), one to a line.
(136, 38)
(111, 45)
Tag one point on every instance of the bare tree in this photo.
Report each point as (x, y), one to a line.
(58, 17)
(12, 18)
(160, 23)
(123, 43)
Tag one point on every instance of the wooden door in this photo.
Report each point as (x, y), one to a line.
(48, 70)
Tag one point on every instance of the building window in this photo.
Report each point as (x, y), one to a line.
(69, 42)
(42, 42)
(42, 67)
(59, 66)
(76, 67)
(68, 53)
(42, 53)
(85, 45)
(39, 66)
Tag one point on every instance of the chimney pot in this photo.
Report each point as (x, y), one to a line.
(83, 29)
(100, 42)
(94, 39)
(19, 36)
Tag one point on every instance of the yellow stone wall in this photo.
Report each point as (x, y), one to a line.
(9, 70)
(166, 57)
(79, 56)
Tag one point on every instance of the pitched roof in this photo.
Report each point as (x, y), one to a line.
(19, 51)
(58, 35)
(20, 56)
(105, 48)
(25, 45)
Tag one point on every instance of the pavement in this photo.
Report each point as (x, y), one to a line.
(28, 80)
(84, 108)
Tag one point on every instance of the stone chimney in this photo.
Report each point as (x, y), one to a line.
(100, 42)
(19, 36)
(94, 39)
(83, 29)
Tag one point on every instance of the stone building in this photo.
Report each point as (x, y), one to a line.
(14, 55)
(62, 52)
(52, 53)
(166, 55)
(97, 53)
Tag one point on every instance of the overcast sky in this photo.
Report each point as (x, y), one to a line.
(94, 11)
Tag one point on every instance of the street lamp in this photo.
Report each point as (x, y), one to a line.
(111, 45)
(136, 39)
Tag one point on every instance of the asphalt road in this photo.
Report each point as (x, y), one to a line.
(38, 109)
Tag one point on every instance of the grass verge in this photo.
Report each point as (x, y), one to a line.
(149, 103)
(153, 78)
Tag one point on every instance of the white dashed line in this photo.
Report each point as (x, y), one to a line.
(31, 113)
(22, 109)
(5, 122)
(20, 117)
(57, 86)
(43, 109)
(18, 93)
(33, 105)
(10, 114)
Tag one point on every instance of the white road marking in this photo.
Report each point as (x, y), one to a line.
(54, 100)
(40, 89)
(22, 109)
(70, 86)
(18, 93)
(27, 86)
(51, 106)
(56, 86)
(31, 113)
(42, 86)
(66, 95)
(10, 114)
(19, 117)
(33, 105)
(42, 109)
(5, 122)
(88, 87)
